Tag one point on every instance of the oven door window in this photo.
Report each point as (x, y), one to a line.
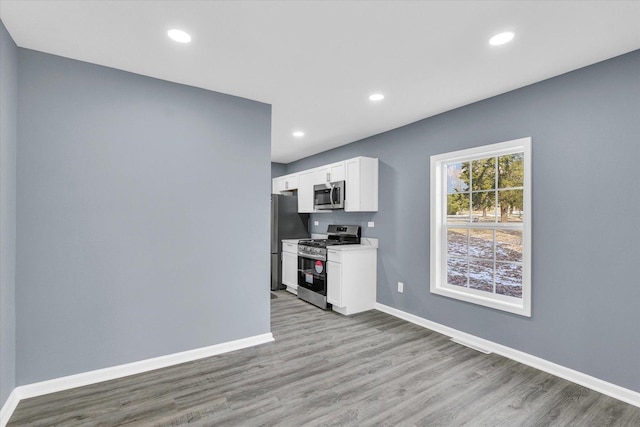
(312, 274)
(323, 197)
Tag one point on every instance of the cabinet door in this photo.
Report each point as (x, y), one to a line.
(290, 247)
(305, 192)
(282, 184)
(362, 185)
(330, 173)
(289, 270)
(336, 172)
(290, 182)
(321, 175)
(275, 186)
(286, 183)
(334, 283)
(352, 201)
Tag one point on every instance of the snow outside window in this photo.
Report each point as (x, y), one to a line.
(481, 225)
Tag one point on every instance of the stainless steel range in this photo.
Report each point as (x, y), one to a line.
(312, 262)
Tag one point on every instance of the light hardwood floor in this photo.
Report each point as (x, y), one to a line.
(331, 370)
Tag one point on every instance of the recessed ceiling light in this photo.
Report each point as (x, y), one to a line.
(501, 38)
(179, 36)
(298, 134)
(376, 97)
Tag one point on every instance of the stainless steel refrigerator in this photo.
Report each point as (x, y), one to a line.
(286, 223)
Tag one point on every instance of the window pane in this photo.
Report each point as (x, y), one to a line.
(509, 279)
(510, 205)
(458, 207)
(509, 245)
(481, 275)
(457, 245)
(511, 170)
(481, 243)
(484, 206)
(483, 174)
(457, 180)
(457, 271)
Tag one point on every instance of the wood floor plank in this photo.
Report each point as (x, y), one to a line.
(325, 369)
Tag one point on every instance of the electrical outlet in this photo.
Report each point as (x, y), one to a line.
(371, 224)
(316, 223)
(400, 287)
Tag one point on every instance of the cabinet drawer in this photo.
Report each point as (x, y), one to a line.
(333, 255)
(290, 247)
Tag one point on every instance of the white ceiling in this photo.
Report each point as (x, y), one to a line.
(317, 62)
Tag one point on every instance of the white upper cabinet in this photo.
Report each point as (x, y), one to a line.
(361, 190)
(284, 183)
(330, 173)
(361, 194)
(289, 182)
(305, 191)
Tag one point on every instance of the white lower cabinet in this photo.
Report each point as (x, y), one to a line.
(290, 266)
(351, 279)
(334, 283)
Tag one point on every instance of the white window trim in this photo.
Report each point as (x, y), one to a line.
(438, 285)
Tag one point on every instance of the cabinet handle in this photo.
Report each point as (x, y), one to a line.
(328, 176)
(286, 185)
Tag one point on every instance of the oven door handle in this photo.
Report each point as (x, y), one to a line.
(316, 257)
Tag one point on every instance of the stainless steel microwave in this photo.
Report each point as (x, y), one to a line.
(329, 195)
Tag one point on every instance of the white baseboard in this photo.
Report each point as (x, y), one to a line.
(596, 384)
(292, 290)
(113, 372)
(8, 407)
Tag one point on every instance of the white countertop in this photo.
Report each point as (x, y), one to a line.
(291, 240)
(349, 248)
(366, 243)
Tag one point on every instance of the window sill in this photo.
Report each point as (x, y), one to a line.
(511, 305)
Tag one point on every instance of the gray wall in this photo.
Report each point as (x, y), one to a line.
(585, 127)
(142, 217)
(278, 169)
(8, 146)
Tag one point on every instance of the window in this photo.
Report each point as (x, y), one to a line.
(481, 225)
